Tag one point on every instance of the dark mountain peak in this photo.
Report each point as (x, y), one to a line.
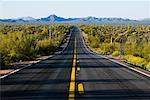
(52, 18)
(53, 15)
(90, 19)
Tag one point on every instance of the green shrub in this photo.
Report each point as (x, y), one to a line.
(146, 51)
(108, 48)
(115, 53)
(133, 41)
(25, 41)
(18, 45)
(148, 66)
(45, 46)
(2, 59)
(135, 60)
(94, 42)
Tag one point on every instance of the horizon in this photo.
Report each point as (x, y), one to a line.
(135, 10)
(68, 17)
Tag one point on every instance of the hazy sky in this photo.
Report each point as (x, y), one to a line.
(133, 9)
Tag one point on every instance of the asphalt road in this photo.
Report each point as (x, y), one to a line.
(50, 79)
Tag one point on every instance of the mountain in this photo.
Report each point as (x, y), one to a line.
(94, 20)
(28, 18)
(85, 20)
(56, 19)
(145, 21)
(52, 18)
(18, 20)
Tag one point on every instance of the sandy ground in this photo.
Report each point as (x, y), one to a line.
(3, 72)
(17, 65)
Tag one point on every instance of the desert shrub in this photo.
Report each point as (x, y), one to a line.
(148, 66)
(146, 51)
(45, 46)
(17, 45)
(94, 42)
(115, 53)
(2, 59)
(133, 40)
(147, 57)
(99, 51)
(26, 41)
(108, 48)
(130, 49)
(135, 60)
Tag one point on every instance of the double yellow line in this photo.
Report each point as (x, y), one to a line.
(73, 75)
(72, 88)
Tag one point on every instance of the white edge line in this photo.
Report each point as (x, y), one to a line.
(12, 72)
(133, 69)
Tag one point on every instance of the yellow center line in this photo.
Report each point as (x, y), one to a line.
(78, 68)
(80, 88)
(73, 76)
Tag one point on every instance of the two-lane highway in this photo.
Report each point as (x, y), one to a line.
(54, 78)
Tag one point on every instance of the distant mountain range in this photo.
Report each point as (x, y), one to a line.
(85, 20)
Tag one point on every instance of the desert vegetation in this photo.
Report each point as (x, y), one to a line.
(130, 42)
(26, 41)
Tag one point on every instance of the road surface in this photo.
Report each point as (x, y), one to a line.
(52, 79)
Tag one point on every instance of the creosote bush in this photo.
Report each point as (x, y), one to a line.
(45, 46)
(135, 60)
(148, 66)
(115, 53)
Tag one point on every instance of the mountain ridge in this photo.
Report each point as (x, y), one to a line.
(83, 20)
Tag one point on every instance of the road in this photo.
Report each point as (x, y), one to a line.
(51, 79)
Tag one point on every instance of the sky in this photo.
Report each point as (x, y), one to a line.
(132, 9)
